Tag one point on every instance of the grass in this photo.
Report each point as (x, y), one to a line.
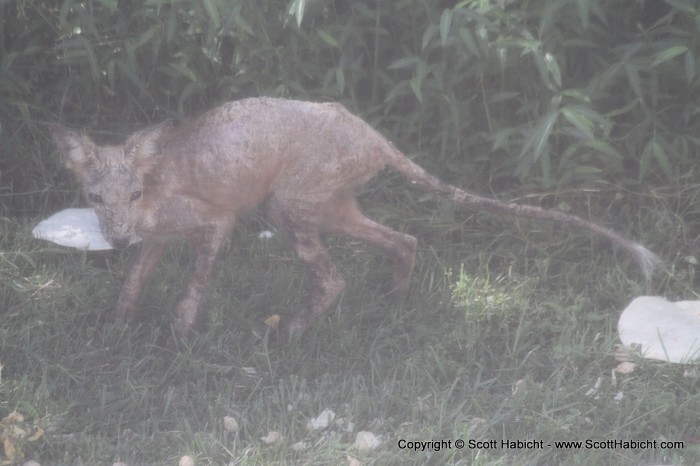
(506, 335)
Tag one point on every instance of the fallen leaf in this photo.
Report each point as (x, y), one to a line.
(13, 417)
(518, 387)
(230, 425)
(273, 321)
(353, 461)
(322, 421)
(271, 438)
(36, 435)
(186, 461)
(10, 451)
(365, 441)
(300, 446)
(625, 368)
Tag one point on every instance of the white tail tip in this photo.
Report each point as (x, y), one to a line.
(648, 261)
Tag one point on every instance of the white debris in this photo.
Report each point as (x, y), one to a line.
(625, 368)
(595, 388)
(322, 421)
(365, 441)
(230, 425)
(662, 330)
(345, 425)
(300, 446)
(75, 228)
(272, 437)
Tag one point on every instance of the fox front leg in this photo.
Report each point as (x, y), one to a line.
(207, 250)
(137, 278)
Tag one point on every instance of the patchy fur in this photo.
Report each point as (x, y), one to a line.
(303, 160)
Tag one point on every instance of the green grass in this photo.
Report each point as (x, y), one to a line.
(494, 304)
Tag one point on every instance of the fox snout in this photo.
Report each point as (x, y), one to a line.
(116, 235)
(117, 224)
(120, 242)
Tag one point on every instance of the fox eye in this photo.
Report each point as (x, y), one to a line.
(135, 196)
(94, 198)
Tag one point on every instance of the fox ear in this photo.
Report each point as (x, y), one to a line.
(144, 146)
(77, 149)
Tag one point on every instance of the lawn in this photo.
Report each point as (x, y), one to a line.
(508, 334)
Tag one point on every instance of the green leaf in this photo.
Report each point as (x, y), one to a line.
(546, 65)
(340, 79)
(553, 68)
(147, 36)
(502, 96)
(327, 38)
(607, 149)
(587, 172)
(212, 13)
(92, 59)
(577, 94)
(668, 54)
(534, 147)
(415, 84)
(622, 110)
(111, 5)
(501, 138)
(445, 23)
(406, 62)
(690, 68)
(428, 36)
(469, 41)
(546, 166)
(633, 78)
(296, 9)
(65, 9)
(243, 25)
(579, 120)
(541, 135)
(182, 70)
(661, 158)
(109, 70)
(170, 27)
(584, 12)
(654, 151)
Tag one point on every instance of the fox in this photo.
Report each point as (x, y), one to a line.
(301, 162)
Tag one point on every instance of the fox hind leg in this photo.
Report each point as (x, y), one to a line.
(345, 218)
(302, 226)
(299, 225)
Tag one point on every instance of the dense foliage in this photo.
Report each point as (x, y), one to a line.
(554, 92)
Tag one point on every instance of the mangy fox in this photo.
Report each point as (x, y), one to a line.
(302, 161)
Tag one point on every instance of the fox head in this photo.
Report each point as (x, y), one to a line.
(112, 176)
